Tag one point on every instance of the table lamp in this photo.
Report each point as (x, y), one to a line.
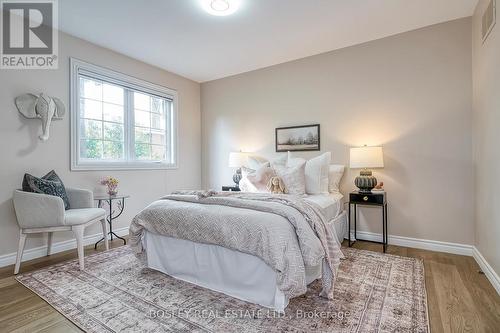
(237, 160)
(364, 158)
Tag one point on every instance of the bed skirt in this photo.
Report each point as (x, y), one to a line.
(231, 272)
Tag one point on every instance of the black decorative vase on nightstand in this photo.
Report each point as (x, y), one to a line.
(365, 181)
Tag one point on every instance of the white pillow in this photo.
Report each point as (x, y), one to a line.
(245, 185)
(281, 160)
(256, 162)
(257, 181)
(246, 171)
(293, 178)
(316, 172)
(336, 171)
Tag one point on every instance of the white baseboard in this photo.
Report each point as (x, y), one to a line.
(487, 269)
(431, 245)
(41, 251)
(424, 244)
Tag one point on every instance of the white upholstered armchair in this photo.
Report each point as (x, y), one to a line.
(39, 213)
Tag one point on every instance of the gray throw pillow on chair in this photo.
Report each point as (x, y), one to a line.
(49, 184)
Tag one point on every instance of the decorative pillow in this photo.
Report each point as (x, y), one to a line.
(336, 171)
(293, 178)
(246, 171)
(244, 185)
(256, 162)
(281, 160)
(49, 184)
(52, 175)
(316, 172)
(259, 180)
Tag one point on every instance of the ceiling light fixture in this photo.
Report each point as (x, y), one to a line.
(220, 7)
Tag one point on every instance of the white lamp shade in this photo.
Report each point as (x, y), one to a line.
(366, 157)
(237, 160)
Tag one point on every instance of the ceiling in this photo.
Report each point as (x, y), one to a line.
(177, 35)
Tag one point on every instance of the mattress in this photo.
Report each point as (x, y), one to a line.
(331, 205)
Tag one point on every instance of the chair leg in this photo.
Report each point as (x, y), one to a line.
(20, 250)
(78, 232)
(104, 225)
(49, 243)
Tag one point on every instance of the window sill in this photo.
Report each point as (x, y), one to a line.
(129, 167)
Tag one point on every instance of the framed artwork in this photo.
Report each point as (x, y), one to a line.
(298, 138)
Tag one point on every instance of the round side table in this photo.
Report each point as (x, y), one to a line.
(120, 204)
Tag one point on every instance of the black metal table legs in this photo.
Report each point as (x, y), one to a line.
(110, 218)
(385, 238)
(384, 226)
(349, 226)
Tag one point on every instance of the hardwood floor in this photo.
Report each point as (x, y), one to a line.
(21, 310)
(460, 298)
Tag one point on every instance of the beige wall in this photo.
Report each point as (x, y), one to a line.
(486, 106)
(23, 152)
(410, 93)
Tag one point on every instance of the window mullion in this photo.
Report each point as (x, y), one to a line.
(130, 126)
(168, 132)
(126, 135)
(102, 119)
(76, 101)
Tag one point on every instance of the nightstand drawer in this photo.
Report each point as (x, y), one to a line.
(369, 198)
(230, 189)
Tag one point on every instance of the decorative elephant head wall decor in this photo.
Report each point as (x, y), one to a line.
(42, 107)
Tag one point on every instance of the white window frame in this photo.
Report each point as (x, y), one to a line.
(79, 67)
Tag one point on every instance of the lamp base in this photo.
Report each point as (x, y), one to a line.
(237, 177)
(365, 182)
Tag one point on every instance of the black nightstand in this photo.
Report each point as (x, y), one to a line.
(368, 199)
(230, 189)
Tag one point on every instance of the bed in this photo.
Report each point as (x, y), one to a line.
(332, 207)
(236, 273)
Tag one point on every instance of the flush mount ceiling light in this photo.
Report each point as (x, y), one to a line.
(220, 7)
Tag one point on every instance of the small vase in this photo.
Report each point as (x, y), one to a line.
(112, 192)
(365, 181)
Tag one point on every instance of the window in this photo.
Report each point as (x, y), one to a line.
(120, 122)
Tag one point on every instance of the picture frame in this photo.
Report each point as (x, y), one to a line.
(298, 138)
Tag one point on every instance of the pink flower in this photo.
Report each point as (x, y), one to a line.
(111, 183)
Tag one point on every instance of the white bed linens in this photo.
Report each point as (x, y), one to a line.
(161, 213)
(340, 225)
(330, 205)
(231, 272)
(217, 268)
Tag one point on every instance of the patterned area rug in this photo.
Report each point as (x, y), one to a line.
(374, 292)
